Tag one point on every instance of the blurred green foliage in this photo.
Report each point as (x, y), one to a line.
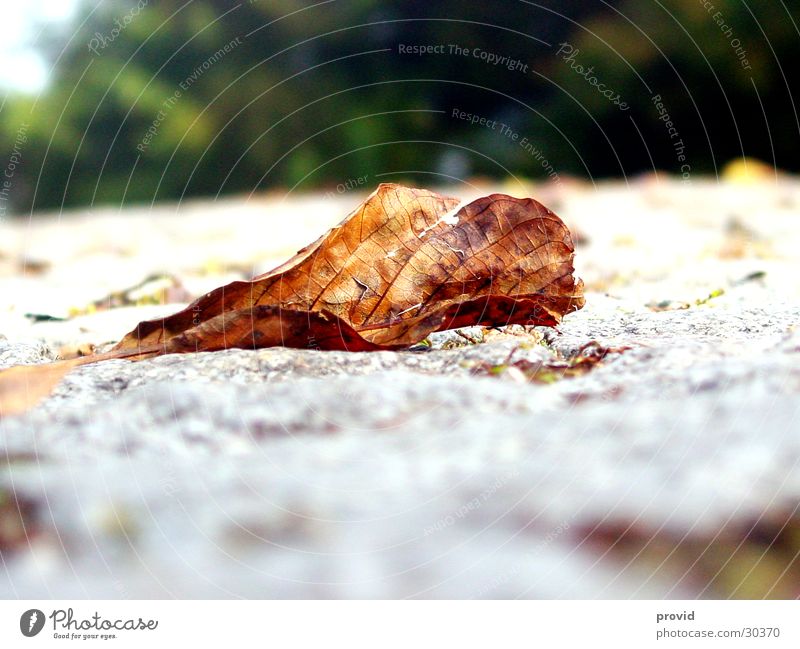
(310, 94)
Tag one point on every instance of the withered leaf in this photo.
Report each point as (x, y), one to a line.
(405, 263)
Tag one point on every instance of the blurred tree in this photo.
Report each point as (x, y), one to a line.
(154, 101)
(723, 70)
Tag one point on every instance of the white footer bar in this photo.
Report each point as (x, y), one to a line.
(389, 624)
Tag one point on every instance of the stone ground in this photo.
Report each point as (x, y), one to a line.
(669, 469)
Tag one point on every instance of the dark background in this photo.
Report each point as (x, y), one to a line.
(306, 102)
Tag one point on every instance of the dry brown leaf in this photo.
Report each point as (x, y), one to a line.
(406, 263)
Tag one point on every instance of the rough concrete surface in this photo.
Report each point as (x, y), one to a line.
(669, 469)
